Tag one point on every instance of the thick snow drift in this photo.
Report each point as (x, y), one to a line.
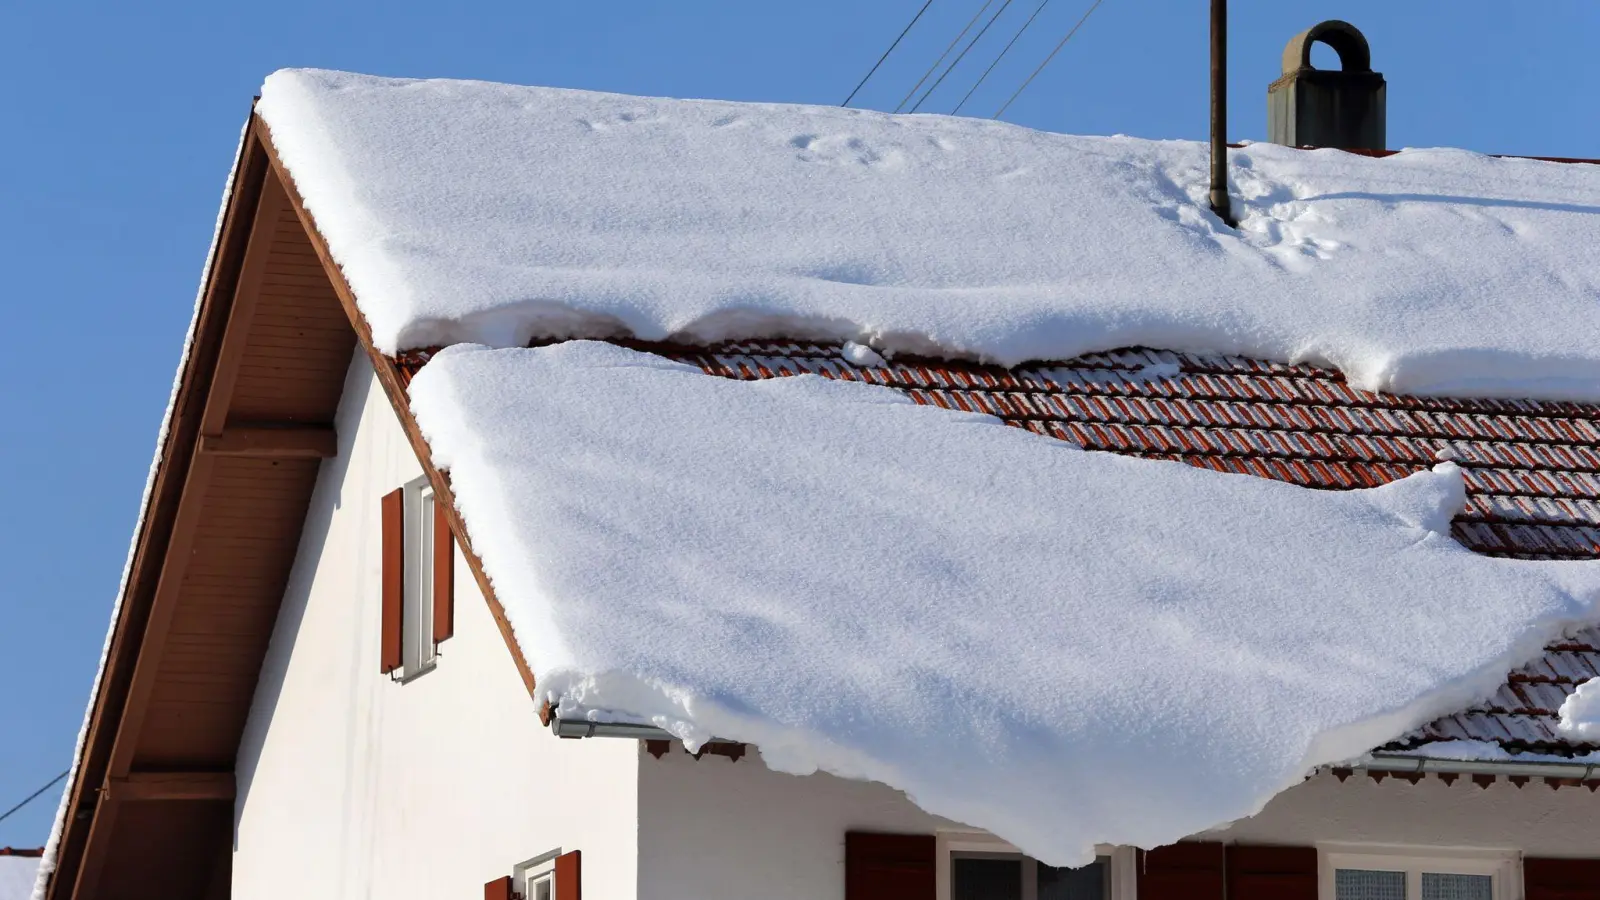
(1062, 647)
(473, 212)
(1580, 713)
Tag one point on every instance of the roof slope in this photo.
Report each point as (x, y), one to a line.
(1532, 468)
(985, 618)
(472, 212)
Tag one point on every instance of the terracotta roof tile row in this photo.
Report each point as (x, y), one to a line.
(1532, 467)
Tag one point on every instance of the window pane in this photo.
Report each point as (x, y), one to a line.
(1364, 884)
(986, 879)
(1457, 887)
(1087, 883)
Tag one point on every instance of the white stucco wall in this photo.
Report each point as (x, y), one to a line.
(351, 785)
(715, 830)
(1533, 819)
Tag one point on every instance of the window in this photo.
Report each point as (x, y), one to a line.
(416, 628)
(1417, 873)
(980, 867)
(537, 878)
(418, 574)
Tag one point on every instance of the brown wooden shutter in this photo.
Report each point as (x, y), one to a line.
(1561, 879)
(499, 889)
(569, 876)
(1182, 872)
(444, 573)
(394, 568)
(889, 866)
(1272, 873)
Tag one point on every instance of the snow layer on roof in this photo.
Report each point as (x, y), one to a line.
(17, 874)
(1580, 713)
(474, 212)
(1063, 647)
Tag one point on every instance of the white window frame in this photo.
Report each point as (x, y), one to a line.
(529, 874)
(1123, 866)
(418, 652)
(1504, 866)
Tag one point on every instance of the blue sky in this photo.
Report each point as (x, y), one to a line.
(120, 124)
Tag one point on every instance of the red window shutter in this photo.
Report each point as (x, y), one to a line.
(499, 889)
(1272, 873)
(1182, 872)
(444, 574)
(394, 568)
(1561, 879)
(569, 876)
(889, 866)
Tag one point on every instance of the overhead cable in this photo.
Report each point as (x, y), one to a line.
(962, 55)
(1014, 39)
(1092, 8)
(886, 53)
(940, 61)
(31, 797)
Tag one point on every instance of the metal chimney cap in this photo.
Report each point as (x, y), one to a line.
(1355, 55)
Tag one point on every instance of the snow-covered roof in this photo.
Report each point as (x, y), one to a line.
(1532, 469)
(465, 211)
(854, 580)
(17, 871)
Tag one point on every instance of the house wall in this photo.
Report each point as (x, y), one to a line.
(716, 830)
(1534, 819)
(352, 785)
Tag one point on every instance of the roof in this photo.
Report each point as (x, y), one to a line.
(1532, 468)
(470, 212)
(148, 805)
(17, 871)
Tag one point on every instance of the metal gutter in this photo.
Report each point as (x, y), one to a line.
(1410, 763)
(1403, 763)
(581, 728)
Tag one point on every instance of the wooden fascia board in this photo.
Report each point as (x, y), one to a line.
(390, 377)
(86, 815)
(272, 442)
(191, 505)
(246, 294)
(138, 787)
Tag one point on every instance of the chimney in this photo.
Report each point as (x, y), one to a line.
(1310, 107)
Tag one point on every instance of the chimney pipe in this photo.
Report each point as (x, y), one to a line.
(1343, 107)
(1219, 113)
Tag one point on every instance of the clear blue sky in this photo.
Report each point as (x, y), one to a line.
(120, 122)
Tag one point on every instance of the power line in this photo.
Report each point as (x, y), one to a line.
(962, 55)
(1092, 8)
(1014, 39)
(940, 61)
(887, 52)
(31, 797)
